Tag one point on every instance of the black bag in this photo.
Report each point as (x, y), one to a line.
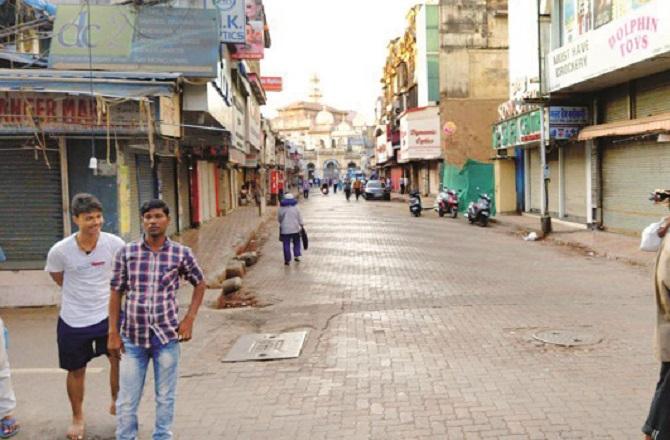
(304, 238)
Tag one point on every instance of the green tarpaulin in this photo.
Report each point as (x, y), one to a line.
(470, 181)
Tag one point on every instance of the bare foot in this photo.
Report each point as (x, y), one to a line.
(647, 437)
(112, 408)
(76, 430)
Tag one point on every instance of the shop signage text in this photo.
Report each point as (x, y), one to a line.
(272, 83)
(420, 135)
(641, 34)
(20, 113)
(233, 20)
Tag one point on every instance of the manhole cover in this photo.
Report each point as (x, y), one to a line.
(567, 338)
(266, 346)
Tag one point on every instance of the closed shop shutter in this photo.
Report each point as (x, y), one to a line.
(224, 189)
(535, 190)
(207, 191)
(146, 184)
(554, 180)
(184, 198)
(575, 182)
(396, 175)
(31, 211)
(167, 175)
(135, 224)
(434, 177)
(615, 104)
(653, 95)
(630, 172)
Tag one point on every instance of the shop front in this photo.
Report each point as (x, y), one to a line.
(420, 148)
(561, 186)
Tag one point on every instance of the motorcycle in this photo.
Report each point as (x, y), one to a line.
(447, 203)
(480, 212)
(415, 203)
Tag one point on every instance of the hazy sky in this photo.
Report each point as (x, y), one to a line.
(343, 41)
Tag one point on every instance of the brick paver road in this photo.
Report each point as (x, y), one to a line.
(418, 328)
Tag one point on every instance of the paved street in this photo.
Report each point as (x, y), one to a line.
(418, 328)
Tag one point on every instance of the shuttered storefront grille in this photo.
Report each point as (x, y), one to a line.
(535, 190)
(31, 215)
(167, 175)
(653, 95)
(575, 182)
(145, 179)
(184, 197)
(615, 104)
(630, 172)
(554, 180)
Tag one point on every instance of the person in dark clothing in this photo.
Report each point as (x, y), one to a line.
(347, 189)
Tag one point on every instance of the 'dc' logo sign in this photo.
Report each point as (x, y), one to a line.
(225, 5)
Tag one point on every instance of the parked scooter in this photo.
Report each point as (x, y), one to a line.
(447, 203)
(415, 203)
(480, 212)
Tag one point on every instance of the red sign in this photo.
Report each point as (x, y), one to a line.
(272, 83)
(274, 182)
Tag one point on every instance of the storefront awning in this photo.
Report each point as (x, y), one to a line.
(110, 84)
(651, 124)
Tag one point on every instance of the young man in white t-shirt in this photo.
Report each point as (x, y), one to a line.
(81, 265)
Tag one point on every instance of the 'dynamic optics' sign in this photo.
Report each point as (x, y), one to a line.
(129, 38)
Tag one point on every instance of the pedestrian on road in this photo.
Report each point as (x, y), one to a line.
(347, 189)
(148, 273)
(403, 185)
(357, 188)
(335, 184)
(290, 225)
(81, 265)
(657, 425)
(9, 427)
(305, 188)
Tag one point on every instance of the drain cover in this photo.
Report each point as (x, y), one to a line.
(567, 338)
(266, 346)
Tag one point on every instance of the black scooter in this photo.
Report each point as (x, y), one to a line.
(480, 212)
(415, 207)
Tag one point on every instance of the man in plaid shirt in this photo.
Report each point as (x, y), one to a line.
(148, 272)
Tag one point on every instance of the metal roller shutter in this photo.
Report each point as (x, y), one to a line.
(630, 172)
(146, 183)
(135, 225)
(615, 104)
(535, 190)
(554, 180)
(575, 182)
(31, 212)
(167, 181)
(184, 198)
(653, 95)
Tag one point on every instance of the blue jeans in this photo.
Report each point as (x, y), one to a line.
(287, 239)
(133, 372)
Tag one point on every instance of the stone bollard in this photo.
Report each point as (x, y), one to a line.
(249, 258)
(235, 269)
(231, 285)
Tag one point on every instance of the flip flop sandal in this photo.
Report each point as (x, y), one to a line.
(9, 427)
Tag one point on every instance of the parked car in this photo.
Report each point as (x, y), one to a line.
(376, 189)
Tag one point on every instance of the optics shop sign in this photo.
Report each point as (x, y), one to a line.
(145, 39)
(643, 33)
(564, 123)
(56, 114)
(420, 135)
(233, 19)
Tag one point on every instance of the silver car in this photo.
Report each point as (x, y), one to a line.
(376, 189)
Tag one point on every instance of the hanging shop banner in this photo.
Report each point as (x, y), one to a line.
(641, 34)
(56, 114)
(603, 12)
(254, 134)
(254, 46)
(381, 147)
(272, 83)
(233, 19)
(128, 38)
(420, 134)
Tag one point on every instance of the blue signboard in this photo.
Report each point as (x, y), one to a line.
(233, 20)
